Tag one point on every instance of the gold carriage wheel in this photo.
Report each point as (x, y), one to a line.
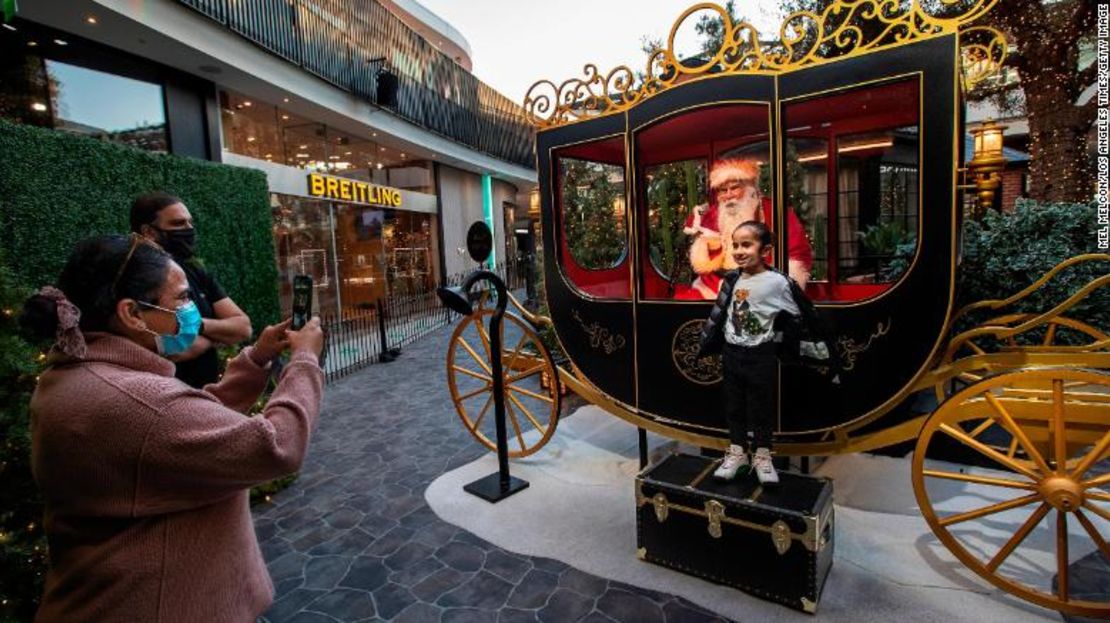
(523, 361)
(1052, 330)
(1059, 420)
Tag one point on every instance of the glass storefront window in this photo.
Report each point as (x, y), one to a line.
(268, 132)
(250, 129)
(349, 155)
(384, 252)
(303, 240)
(305, 144)
(360, 254)
(409, 174)
(102, 105)
(410, 246)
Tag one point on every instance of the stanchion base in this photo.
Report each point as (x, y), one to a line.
(489, 487)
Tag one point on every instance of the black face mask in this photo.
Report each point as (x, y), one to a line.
(179, 243)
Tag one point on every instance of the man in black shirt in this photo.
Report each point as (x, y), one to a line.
(164, 219)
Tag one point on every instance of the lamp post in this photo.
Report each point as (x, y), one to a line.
(499, 485)
(987, 163)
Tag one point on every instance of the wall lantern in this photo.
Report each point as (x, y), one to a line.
(987, 163)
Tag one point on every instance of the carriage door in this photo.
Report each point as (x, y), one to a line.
(587, 267)
(867, 148)
(683, 228)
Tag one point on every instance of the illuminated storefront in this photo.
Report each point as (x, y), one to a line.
(379, 146)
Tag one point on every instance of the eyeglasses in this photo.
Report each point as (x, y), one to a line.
(136, 241)
(732, 187)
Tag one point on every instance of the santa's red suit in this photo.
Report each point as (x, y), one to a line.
(709, 250)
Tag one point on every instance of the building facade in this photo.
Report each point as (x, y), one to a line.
(380, 147)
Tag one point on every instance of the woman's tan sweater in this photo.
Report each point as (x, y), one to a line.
(146, 482)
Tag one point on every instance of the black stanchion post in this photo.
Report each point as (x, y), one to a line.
(499, 485)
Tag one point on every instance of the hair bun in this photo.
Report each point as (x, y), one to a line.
(39, 317)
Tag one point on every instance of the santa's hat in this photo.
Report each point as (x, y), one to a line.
(733, 169)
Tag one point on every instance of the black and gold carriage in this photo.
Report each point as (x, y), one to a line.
(855, 119)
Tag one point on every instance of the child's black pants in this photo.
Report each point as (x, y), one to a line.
(750, 393)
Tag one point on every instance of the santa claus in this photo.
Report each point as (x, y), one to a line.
(736, 199)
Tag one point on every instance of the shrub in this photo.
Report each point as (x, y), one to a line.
(1008, 251)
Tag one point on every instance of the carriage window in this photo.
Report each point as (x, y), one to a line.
(701, 173)
(593, 213)
(594, 241)
(852, 174)
(877, 218)
(807, 191)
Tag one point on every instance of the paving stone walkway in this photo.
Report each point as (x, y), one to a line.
(354, 540)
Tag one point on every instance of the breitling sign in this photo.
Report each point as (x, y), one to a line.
(343, 189)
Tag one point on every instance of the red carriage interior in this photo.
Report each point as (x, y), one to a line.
(857, 153)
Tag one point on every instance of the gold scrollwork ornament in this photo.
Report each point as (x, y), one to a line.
(850, 349)
(600, 337)
(843, 29)
(684, 353)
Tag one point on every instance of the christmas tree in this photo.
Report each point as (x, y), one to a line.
(22, 543)
(593, 203)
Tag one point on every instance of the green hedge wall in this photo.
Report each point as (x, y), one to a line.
(56, 189)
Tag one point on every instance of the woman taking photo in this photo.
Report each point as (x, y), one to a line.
(145, 479)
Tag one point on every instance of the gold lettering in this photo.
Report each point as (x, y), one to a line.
(345, 189)
(333, 188)
(397, 198)
(360, 190)
(315, 185)
(375, 194)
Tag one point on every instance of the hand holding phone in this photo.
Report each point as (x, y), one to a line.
(302, 301)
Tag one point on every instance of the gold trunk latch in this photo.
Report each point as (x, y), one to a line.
(715, 511)
(659, 501)
(780, 536)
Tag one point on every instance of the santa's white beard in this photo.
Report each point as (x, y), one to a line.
(731, 215)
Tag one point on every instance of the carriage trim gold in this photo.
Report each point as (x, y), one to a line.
(714, 511)
(844, 29)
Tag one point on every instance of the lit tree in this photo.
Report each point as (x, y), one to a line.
(672, 190)
(22, 546)
(1046, 37)
(593, 205)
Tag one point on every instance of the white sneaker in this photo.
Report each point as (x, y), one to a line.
(736, 460)
(764, 468)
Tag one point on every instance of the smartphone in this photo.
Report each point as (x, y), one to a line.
(302, 300)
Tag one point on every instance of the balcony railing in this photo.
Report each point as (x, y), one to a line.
(337, 39)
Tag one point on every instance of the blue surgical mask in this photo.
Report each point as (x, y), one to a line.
(188, 327)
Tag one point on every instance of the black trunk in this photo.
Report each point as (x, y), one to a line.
(773, 542)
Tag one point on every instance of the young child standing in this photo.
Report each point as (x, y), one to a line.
(742, 324)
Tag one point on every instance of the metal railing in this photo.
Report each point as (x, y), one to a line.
(356, 340)
(341, 41)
